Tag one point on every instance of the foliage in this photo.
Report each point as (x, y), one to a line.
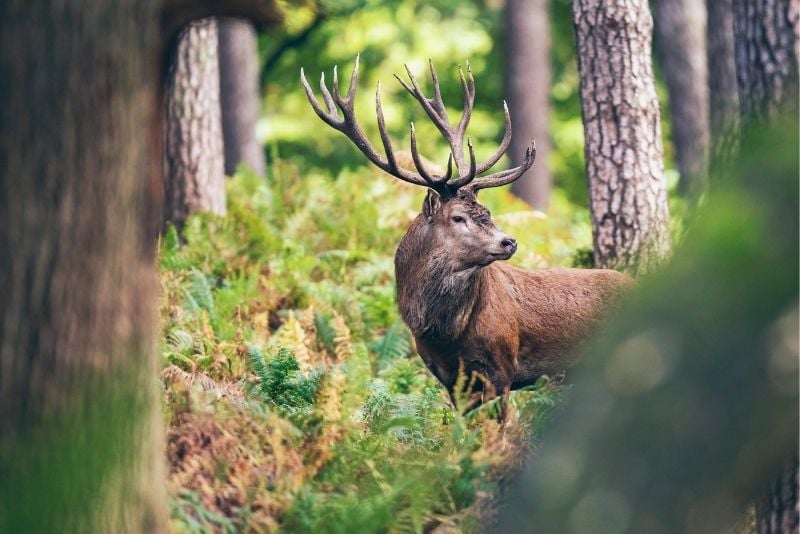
(293, 393)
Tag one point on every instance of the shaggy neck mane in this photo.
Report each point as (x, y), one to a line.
(435, 300)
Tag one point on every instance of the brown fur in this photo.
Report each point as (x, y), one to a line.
(507, 325)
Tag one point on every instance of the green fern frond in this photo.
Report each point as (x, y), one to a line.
(325, 332)
(393, 345)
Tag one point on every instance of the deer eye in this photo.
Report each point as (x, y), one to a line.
(458, 219)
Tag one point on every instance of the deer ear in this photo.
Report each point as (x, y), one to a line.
(431, 204)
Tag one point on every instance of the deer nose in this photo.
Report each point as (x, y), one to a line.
(509, 244)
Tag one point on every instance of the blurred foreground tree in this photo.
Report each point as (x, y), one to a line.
(239, 95)
(681, 47)
(722, 94)
(80, 189)
(687, 407)
(195, 175)
(527, 32)
(622, 125)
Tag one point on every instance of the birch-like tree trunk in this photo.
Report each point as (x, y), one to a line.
(722, 86)
(681, 38)
(239, 95)
(195, 176)
(622, 124)
(527, 30)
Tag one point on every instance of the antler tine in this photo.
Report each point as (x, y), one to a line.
(331, 119)
(418, 161)
(469, 99)
(449, 168)
(494, 158)
(473, 170)
(348, 124)
(438, 104)
(506, 177)
(327, 96)
(387, 143)
(453, 135)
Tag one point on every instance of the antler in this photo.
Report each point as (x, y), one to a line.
(436, 111)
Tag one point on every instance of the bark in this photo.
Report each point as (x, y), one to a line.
(80, 426)
(766, 34)
(239, 95)
(622, 124)
(527, 30)
(680, 35)
(778, 511)
(722, 88)
(195, 179)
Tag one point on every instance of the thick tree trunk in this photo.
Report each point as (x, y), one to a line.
(239, 95)
(195, 178)
(527, 30)
(80, 426)
(766, 33)
(778, 512)
(680, 35)
(624, 165)
(722, 88)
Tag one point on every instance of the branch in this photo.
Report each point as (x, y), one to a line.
(293, 41)
(178, 13)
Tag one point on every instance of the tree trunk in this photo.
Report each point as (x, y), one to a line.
(239, 95)
(680, 36)
(723, 95)
(777, 512)
(195, 179)
(766, 34)
(80, 425)
(622, 124)
(527, 29)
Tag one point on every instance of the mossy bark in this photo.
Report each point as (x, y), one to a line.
(80, 430)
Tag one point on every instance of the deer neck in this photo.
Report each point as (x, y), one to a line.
(435, 301)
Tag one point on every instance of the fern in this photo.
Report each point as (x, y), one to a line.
(392, 346)
(199, 293)
(281, 382)
(326, 335)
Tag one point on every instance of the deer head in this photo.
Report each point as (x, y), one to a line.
(453, 214)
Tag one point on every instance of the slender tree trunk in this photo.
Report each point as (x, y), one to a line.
(722, 89)
(624, 165)
(680, 35)
(527, 29)
(195, 179)
(80, 427)
(239, 95)
(766, 33)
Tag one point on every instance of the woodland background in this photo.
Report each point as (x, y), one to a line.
(264, 373)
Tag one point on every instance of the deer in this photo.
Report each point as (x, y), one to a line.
(469, 312)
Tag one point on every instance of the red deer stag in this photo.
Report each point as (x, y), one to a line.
(504, 325)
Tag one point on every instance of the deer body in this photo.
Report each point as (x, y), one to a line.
(503, 325)
(508, 325)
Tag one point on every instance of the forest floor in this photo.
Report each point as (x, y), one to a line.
(293, 396)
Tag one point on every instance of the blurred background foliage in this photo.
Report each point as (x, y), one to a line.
(389, 34)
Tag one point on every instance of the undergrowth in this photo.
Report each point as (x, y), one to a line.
(292, 393)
